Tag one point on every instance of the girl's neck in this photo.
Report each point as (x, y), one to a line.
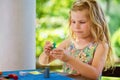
(83, 40)
(81, 43)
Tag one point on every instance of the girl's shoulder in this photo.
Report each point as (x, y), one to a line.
(65, 43)
(102, 44)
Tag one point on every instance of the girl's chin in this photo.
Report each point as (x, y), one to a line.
(80, 36)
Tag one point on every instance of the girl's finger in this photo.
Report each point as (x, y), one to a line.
(47, 42)
(55, 56)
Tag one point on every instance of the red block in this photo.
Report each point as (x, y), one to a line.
(0, 73)
(14, 76)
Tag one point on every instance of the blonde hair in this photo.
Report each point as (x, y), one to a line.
(99, 27)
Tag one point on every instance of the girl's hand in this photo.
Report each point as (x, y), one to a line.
(60, 54)
(48, 48)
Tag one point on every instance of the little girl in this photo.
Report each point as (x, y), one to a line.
(87, 51)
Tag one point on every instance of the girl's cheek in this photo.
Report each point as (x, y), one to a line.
(72, 24)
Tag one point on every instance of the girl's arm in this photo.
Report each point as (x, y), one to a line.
(45, 59)
(91, 71)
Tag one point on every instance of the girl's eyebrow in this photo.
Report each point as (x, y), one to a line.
(79, 20)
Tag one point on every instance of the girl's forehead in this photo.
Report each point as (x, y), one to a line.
(80, 14)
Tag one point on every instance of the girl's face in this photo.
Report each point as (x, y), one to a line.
(80, 23)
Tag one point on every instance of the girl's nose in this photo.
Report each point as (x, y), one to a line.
(77, 25)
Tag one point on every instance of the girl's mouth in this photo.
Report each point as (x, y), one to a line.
(79, 31)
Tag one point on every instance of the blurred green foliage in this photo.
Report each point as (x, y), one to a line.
(116, 42)
(52, 21)
(51, 8)
(114, 16)
(110, 78)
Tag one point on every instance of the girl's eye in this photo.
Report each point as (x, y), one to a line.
(82, 22)
(73, 21)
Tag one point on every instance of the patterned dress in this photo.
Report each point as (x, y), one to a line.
(85, 55)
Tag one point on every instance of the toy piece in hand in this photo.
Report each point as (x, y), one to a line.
(53, 45)
(13, 76)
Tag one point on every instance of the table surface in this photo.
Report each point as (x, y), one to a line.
(36, 75)
(39, 75)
